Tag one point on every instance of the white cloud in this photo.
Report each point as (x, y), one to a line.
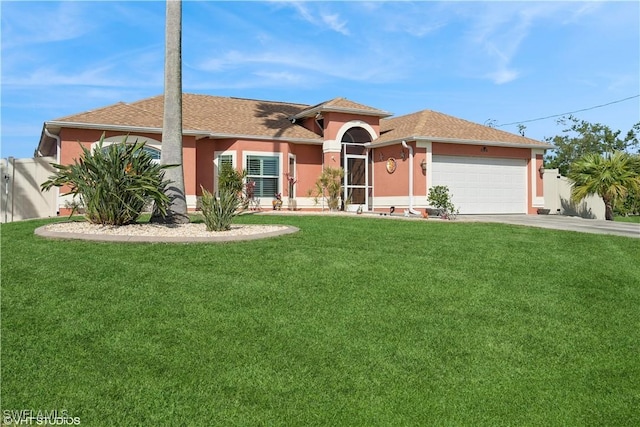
(268, 78)
(341, 66)
(334, 22)
(496, 35)
(503, 76)
(67, 21)
(331, 21)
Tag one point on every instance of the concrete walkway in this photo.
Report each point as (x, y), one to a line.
(559, 222)
(554, 222)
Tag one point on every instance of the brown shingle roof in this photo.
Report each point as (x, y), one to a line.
(207, 114)
(427, 124)
(224, 116)
(342, 105)
(119, 114)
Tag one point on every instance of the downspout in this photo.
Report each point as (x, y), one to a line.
(410, 148)
(373, 179)
(58, 148)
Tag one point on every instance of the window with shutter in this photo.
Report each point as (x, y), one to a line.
(265, 172)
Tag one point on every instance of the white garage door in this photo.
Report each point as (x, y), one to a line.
(482, 185)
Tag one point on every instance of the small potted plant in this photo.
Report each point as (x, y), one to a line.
(277, 202)
(291, 202)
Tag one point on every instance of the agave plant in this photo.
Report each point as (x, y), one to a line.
(114, 183)
(219, 212)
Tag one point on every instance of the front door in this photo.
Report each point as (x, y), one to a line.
(355, 182)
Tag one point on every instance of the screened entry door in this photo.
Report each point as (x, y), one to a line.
(356, 186)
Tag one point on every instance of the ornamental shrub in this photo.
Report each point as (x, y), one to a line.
(230, 178)
(219, 211)
(114, 184)
(440, 199)
(329, 186)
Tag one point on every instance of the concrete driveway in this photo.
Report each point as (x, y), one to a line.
(559, 222)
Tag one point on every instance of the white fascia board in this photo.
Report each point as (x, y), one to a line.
(265, 138)
(198, 134)
(322, 109)
(118, 128)
(462, 141)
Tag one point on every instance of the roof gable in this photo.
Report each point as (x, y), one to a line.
(341, 105)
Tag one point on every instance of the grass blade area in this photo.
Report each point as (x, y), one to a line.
(351, 321)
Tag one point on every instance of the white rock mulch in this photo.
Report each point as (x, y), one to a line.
(159, 232)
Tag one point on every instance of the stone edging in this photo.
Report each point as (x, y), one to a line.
(48, 234)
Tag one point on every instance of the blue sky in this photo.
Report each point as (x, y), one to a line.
(502, 62)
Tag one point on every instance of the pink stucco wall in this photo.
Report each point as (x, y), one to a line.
(198, 157)
(391, 184)
(308, 160)
(334, 121)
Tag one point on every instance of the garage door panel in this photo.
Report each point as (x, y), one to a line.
(482, 185)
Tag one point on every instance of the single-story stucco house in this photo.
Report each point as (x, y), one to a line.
(388, 161)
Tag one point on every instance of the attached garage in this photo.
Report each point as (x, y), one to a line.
(483, 185)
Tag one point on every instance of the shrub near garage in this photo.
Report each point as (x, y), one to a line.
(440, 198)
(115, 183)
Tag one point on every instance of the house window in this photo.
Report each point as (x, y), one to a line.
(222, 158)
(154, 153)
(151, 146)
(264, 170)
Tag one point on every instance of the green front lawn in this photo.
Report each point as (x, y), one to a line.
(634, 219)
(351, 321)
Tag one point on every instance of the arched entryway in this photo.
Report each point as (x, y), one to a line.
(355, 162)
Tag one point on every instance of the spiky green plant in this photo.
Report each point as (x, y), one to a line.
(329, 186)
(114, 183)
(219, 211)
(230, 178)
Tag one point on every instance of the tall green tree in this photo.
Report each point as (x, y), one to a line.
(172, 119)
(580, 137)
(610, 176)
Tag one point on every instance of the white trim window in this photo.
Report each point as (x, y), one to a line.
(151, 146)
(264, 169)
(220, 158)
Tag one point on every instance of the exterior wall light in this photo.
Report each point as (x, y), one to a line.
(423, 165)
(541, 171)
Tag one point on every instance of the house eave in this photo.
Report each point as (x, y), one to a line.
(541, 146)
(265, 138)
(323, 109)
(118, 128)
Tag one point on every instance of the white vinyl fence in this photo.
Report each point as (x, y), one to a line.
(557, 198)
(21, 195)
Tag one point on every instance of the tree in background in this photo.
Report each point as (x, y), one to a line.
(612, 177)
(581, 137)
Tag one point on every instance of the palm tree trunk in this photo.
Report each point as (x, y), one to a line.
(172, 120)
(608, 209)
